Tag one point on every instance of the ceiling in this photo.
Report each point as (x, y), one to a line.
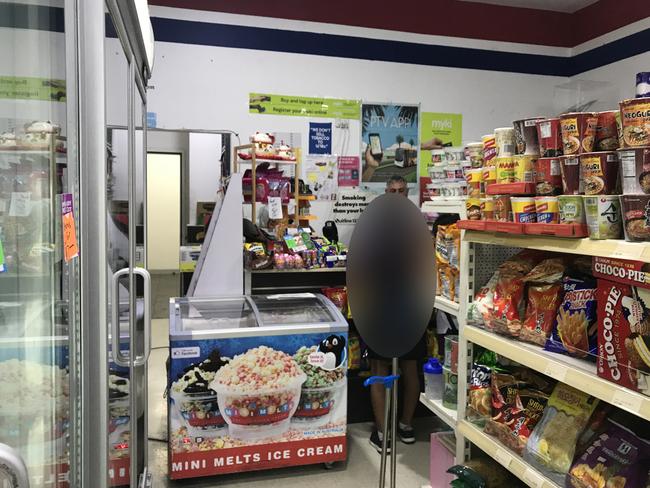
(568, 6)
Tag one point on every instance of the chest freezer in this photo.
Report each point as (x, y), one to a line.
(256, 382)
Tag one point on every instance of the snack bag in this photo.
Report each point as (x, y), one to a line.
(480, 310)
(617, 458)
(479, 401)
(544, 296)
(551, 446)
(576, 328)
(509, 293)
(447, 282)
(339, 297)
(442, 247)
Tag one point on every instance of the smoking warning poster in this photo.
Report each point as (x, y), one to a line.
(389, 142)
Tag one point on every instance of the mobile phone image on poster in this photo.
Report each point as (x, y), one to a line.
(389, 144)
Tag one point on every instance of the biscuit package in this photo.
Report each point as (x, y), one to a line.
(623, 323)
(617, 458)
(551, 447)
(576, 327)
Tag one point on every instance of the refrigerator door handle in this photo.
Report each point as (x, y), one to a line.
(118, 358)
(141, 360)
(13, 467)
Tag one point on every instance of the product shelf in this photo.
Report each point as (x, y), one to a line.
(263, 160)
(309, 198)
(301, 270)
(504, 456)
(583, 246)
(446, 305)
(447, 415)
(574, 372)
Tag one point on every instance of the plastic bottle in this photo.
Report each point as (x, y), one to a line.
(433, 385)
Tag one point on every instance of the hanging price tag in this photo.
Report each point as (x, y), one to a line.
(70, 247)
(275, 208)
(21, 204)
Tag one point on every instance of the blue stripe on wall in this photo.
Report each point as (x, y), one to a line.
(13, 15)
(245, 37)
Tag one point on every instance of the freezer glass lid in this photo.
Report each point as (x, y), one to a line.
(219, 314)
(292, 309)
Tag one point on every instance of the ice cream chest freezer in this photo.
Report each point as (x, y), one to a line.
(255, 382)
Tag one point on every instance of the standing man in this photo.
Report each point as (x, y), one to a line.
(408, 365)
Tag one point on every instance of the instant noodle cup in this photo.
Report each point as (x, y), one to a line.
(570, 172)
(454, 153)
(578, 132)
(635, 168)
(488, 177)
(475, 154)
(547, 209)
(505, 169)
(502, 208)
(603, 214)
(523, 210)
(473, 207)
(636, 217)
(526, 141)
(548, 177)
(473, 178)
(549, 137)
(489, 149)
(619, 129)
(487, 208)
(505, 141)
(455, 172)
(524, 168)
(635, 122)
(438, 156)
(600, 173)
(606, 131)
(572, 209)
(438, 171)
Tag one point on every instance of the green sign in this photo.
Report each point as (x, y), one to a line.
(335, 108)
(438, 130)
(25, 88)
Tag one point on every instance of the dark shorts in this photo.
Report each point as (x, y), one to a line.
(419, 352)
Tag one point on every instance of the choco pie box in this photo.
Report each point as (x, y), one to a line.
(624, 322)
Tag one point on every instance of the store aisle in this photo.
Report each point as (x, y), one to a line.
(363, 461)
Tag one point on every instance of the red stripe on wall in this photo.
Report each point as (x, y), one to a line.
(450, 18)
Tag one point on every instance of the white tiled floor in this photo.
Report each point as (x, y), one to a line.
(361, 470)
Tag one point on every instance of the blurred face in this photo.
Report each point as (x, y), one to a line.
(397, 187)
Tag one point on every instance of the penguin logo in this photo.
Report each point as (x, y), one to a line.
(333, 348)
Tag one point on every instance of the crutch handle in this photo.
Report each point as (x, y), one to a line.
(386, 380)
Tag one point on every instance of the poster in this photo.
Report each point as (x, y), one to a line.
(389, 142)
(438, 130)
(348, 171)
(320, 174)
(70, 247)
(320, 138)
(267, 418)
(29, 88)
(295, 105)
(349, 206)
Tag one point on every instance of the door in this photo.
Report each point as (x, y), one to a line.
(129, 288)
(40, 368)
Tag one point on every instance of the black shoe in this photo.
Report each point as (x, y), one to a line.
(406, 435)
(376, 442)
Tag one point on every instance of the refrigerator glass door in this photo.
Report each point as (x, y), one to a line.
(39, 284)
(129, 300)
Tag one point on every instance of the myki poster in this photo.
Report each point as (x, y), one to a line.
(251, 403)
(389, 144)
(438, 130)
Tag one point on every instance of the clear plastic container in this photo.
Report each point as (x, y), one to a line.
(433, 381)
(259, 414)
(316, 404)
(199, 410)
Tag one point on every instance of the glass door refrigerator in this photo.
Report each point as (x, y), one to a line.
(59, 376)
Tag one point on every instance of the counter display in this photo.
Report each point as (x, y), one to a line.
(255, 383)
